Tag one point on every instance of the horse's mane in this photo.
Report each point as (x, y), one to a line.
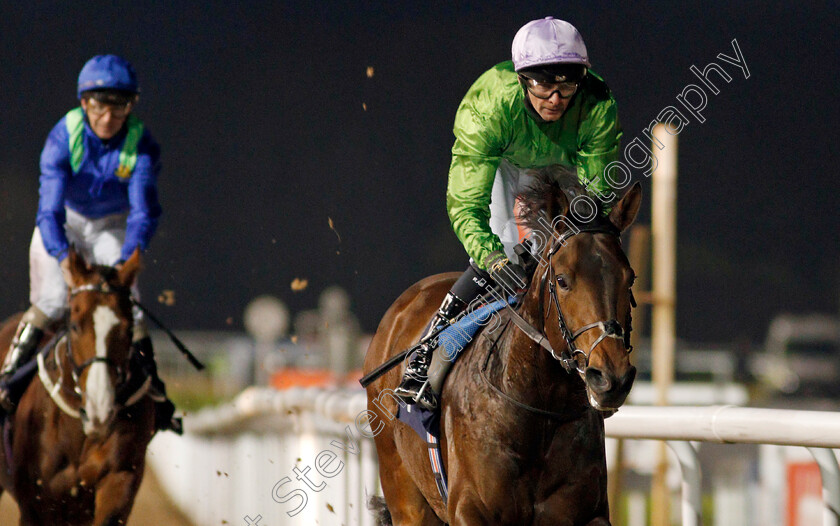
(542, 196)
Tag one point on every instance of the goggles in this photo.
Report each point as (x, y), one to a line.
(118, 111)
(544, 90)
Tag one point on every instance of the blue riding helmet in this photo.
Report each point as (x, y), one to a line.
(107, 72)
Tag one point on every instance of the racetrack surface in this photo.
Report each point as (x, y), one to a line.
(151, 507)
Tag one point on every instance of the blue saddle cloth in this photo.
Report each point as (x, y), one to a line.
(455, 338)
(425, 423)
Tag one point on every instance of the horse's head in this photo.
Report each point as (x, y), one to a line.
(99, 328)
(583, 281)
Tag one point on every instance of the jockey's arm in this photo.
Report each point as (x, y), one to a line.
(143, 198)
(55, 171)
(599, 137)
(476, 154)
(468, 204)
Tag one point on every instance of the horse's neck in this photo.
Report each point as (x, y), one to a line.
(529, 371)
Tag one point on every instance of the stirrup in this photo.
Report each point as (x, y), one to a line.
(426, 397)
(423, 397)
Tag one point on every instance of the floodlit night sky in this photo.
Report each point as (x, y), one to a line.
(270, 127)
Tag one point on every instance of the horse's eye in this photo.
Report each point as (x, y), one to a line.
(563, 283)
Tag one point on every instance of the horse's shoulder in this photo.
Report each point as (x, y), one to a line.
(495, 328)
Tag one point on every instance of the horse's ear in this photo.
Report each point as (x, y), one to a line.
(76, 269)
(558, 207)
(624, 212)
(129, 270)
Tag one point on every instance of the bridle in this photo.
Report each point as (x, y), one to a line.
(609, 329)
(54, 387)
(568, 358)
(78, 368)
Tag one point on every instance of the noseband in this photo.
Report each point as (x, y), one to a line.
(609, 328)
(77, 369)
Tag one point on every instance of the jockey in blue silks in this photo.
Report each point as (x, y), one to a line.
(98, 193)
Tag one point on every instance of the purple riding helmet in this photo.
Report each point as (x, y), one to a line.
(548, 41)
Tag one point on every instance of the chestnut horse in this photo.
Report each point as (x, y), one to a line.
(522, 436)
(77, 457)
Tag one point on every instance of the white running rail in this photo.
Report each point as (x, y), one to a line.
(265, 435)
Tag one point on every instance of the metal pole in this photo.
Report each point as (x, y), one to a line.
(664, 234)
(691, 486)
(830, 473)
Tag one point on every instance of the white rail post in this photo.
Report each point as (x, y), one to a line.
(830, 473)
(663, 323)
(691, 486)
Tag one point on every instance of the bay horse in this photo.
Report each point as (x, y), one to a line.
(78, 447)
(522, 437)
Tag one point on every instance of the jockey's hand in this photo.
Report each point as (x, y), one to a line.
(506, 273)
(65, 271)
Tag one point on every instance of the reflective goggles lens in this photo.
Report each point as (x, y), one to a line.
(544, 90)
(98, 109)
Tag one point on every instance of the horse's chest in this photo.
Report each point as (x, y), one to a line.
(528, 475)
(74, 467)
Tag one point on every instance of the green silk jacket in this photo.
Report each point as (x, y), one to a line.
(493, 123)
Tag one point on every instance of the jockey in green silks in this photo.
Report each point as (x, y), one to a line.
(544, 107)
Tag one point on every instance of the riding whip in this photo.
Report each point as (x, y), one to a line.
(180, 345)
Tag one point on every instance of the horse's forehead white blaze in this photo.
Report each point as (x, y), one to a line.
(100, 392)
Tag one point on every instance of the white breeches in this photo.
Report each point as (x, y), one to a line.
(509, 181)
(99, 241)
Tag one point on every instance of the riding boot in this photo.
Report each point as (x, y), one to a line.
(414, 385)
(23, 347)
(164, 408)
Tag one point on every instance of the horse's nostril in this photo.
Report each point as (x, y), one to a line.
(597, 380)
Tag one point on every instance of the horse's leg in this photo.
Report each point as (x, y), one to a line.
(406, 503)
(114, 497)
(466, 514)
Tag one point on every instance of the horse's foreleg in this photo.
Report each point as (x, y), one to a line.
(114, 497)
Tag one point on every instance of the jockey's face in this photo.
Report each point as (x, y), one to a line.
(105, 120)
(550, 109)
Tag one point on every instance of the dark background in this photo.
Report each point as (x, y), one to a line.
(259, 110)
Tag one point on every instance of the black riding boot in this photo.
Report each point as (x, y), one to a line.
(417, 385)
(164, 408)
(414, 387)
(24, 345)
